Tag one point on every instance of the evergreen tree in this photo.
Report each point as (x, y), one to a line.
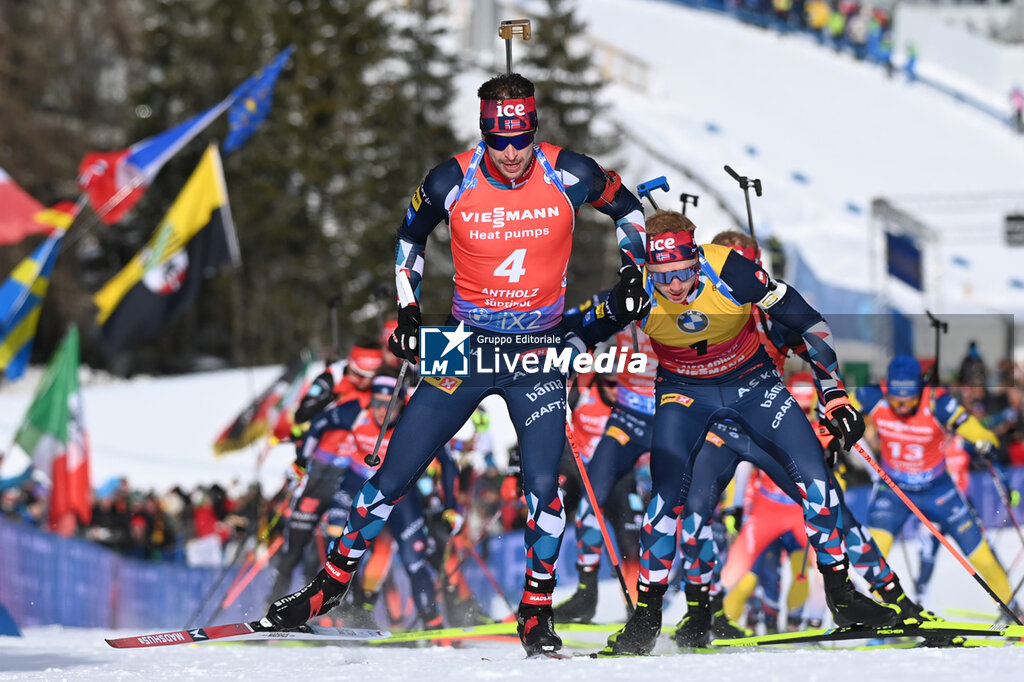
(304, 189)
(423, 137)
(568, 91)
(63, 69)
(360, 113)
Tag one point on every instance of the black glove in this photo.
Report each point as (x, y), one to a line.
(515, 461)
(829, 443)
(317, 398)
(985, 450)
(404, 341)
(629, 298)
(732, 518)
(843, 420)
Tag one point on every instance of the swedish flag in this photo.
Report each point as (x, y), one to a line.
(21, 300)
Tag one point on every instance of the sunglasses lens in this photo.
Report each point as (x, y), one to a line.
(499, 142)
(666, 277)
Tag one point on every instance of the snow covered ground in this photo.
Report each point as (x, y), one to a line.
(774, 108)
(60, 654)
(54, 653)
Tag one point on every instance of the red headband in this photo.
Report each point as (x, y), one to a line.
(753, 254)
(671, 247)
(365, 361)
(508, 115)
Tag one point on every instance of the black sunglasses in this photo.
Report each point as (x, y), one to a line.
(499, 142)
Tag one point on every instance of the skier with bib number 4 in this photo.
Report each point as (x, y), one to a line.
(510, 204)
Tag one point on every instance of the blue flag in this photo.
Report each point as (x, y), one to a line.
(21, 300)
(252, 102)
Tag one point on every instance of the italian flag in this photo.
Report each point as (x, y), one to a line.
(54, 437)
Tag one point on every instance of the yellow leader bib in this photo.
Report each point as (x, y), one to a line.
(708, 336)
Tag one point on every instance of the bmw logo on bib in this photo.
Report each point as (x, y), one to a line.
(692, 322)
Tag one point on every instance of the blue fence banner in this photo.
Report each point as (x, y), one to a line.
(46, 579)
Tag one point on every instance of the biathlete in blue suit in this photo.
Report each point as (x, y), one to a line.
(712, 366)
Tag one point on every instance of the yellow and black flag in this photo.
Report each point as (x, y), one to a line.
(192, 241)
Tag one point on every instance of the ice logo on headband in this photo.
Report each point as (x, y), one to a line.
(511, 109)
(670, 246)
(508, 115)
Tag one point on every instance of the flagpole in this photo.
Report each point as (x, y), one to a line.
(139, 178)
(212, 114)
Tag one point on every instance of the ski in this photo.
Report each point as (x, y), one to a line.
(990, 616)
(696, 650)
(959, 643)
(253, 630)
(930, 630)
(469, 632)
(488, 630)
(554, 655)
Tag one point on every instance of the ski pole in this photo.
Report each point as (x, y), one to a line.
(257, 566)
(745, 184)
(613, 553)
(220, 579)
(479, 538)
(906, 560)
(453, 575)
(261, 536)
(803, 565)
(1004, 494)
(485, 569)
(373, 459)
(1017, 588)
(406, 297)
(935, 531)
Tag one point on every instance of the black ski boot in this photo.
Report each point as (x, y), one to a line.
(694, 630)
(581, 606)
(892, 593)
(850, 607)
(721, 626)
(431, 617)
(463, 612)
(362, 612)
(641, 631)
(321, 595)
(535, 620)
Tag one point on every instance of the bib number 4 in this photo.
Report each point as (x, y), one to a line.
(512, 267)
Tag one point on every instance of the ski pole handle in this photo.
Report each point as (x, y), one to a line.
(644, 189)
